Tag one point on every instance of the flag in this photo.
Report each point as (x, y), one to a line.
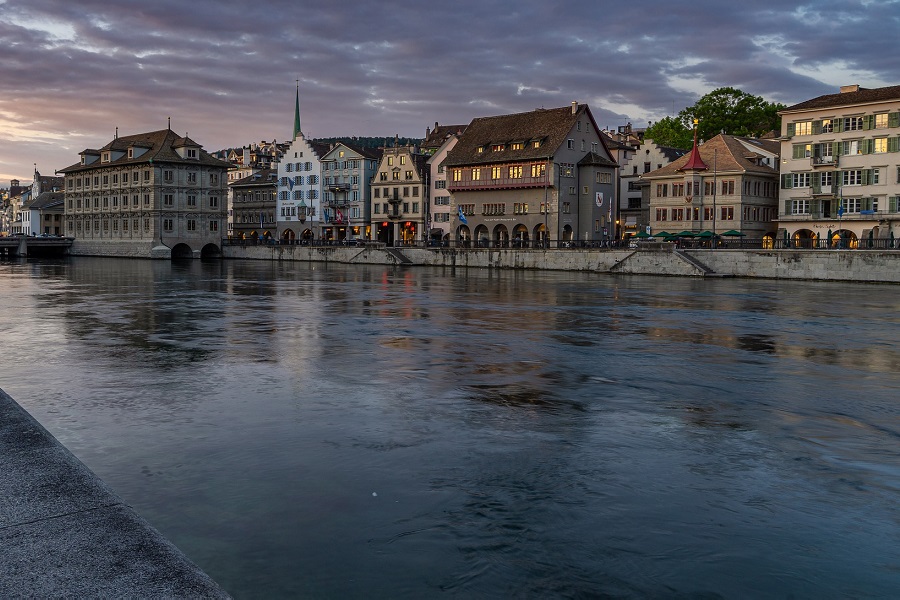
(340, 216)
(462, 217)
(290, 182)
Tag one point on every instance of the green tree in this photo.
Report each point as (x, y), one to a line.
(671, 132)
(732, 111)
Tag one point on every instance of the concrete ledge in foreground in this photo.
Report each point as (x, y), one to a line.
(64, 533)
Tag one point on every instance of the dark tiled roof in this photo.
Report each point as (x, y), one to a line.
(722, 154)
(848, 98)
(594, 159)
(549, 126)
(439, 134)
(262, 178)
(160, 148)
(47, 200)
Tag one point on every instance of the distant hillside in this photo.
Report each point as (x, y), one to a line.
(370, 142)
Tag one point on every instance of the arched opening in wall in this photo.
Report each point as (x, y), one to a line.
(288, 235)
(481, 237)
(463, 236)
(210, 251)
(540, 235)
(520, 236)
(768, 241)
(804, 238)
(844, 238)
(567, 233)
(182, 252)
(501, 236)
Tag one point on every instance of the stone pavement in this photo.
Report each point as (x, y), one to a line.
(64, 533)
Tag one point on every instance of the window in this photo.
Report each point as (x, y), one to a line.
(800, 180)
(146, 199)
(390, 161)
(604, 178)
(852, 177)
(214, 202)
(378, 192)
(191, 225)
(876, 177)
(495, 172)
(827, 126)
(124, 177)
(853, 123)
(880, 145)
(168, 200)
(566, 207)
(167, 224)
(395, 176)
(827, 179)
(800, 207)
(406, 191)
(662, 214)
(515, 172)
(802, 151)
(415, 207)
(566, 170)
(168, 176)
(536, 144)
(517, 146)
(476, 174)
(803, 128)
(678, 214)
(570, 144)
(727, 213)
(408, 174)
(646, 167)
(406, 207)
(538, 169)
(383, 177)
(662, 190)
(403, 160)
(851, 205)
(213, 225)
(520, 208)
(377, 208)
(851, 147)
(415, 191)
(192, 200)
(677, 189)
(440, 184)
(497, 148)
(881, 121)
(213, 179)
(728, 187)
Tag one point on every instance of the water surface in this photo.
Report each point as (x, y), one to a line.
(330, 431)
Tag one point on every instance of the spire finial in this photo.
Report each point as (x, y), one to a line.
(169, 126)
(297, 112)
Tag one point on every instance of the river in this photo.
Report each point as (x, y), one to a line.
(332, 431)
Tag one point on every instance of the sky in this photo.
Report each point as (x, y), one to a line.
(226, 72)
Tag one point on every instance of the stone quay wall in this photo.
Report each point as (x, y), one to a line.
(877, 266)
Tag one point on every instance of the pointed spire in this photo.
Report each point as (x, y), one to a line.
(695, 163)
(297, 112)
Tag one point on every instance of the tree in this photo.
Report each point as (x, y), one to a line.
(670, 132)
(732, 111)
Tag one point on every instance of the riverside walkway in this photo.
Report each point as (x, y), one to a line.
(64, 533)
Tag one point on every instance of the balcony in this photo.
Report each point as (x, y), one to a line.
(338, 187)
(502, 183)
(344, 203)
(824, 161)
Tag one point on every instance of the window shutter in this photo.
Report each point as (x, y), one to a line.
(815, 207)
(787, 207)
(799, 151)
(790, 130)
(838, 125)
(868, 122)
(837, 148)
(816, 183)
(892, 204)
(866, 204)
(816, 127)
(866, 176)
(893, 144)
(865, 146)
(894, 119)
(786, 181)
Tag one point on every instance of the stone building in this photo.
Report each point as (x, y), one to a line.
(537, 177)
(728, 183)
(347, 172)
(400, 196)
(252, 206)
(155, 194)
(634, 201)
(840, 171)
(438, 142)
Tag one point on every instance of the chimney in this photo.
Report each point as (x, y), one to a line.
(846, 89)
(574, 107)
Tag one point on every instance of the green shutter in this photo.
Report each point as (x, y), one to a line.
(866, 146)
(816, 183)
(893, 144)
(786, 181)
(837, 149)
(866, 176)
(894, 119)
(838, 125)
(868, 122)
(815, 207)
(816, 127)
(799, 151)
(892, 204)
(865, 204)
(790, 130)
(787, 207)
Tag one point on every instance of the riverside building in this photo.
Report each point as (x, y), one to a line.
(153, 195)
(840, 171)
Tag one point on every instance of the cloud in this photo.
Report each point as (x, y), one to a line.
(225, 71)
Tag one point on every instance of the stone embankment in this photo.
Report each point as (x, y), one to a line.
(881, 266)
(65, 534)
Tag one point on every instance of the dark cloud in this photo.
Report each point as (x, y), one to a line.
(224, 71)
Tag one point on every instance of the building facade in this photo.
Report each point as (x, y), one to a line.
(634, 201)
(438, 143)
(400, 197)
(532, 178)
(347, 172)
(840, 175)
(158, 193)
(728, 183)
(252, 206)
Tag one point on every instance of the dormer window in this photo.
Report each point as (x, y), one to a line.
(536, 144)
(131, 153)
(192, 153)
(479, 149)
(105, 157)
(517, 146)
(497, 148)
